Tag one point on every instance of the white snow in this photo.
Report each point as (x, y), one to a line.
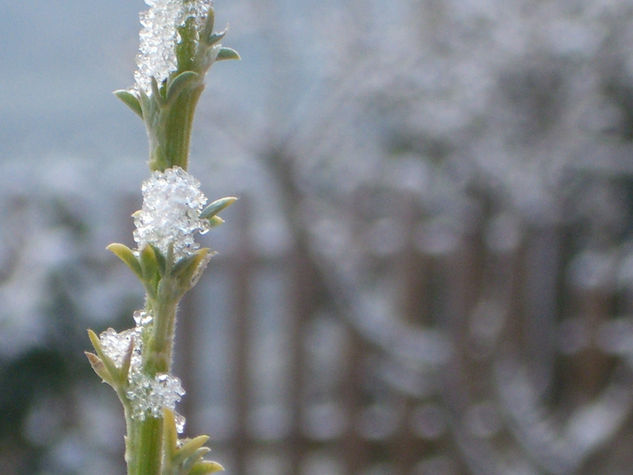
(159, 37)
(147, 395)
(172, 202)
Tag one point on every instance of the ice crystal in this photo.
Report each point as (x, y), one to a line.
(159, 37)
(180, 422)
(172, 202)
(142, 318)
(149, 396)
(116, 345)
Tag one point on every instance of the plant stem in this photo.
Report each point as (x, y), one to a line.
(160, 346)
(166, 105)
(149, 448)
(178, 127)
(145, 437)
(131, 441)
(169, 131)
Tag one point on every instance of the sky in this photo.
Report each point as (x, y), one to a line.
(59, 63)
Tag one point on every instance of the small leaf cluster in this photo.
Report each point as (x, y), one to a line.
(185, 456)
(153, 268)
(170, 106)
(106, 369)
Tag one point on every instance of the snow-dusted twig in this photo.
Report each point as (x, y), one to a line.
(177, 47)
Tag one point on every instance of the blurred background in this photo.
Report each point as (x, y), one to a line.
(430, 270)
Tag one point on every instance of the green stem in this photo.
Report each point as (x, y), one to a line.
(178, 127)
(145, 437)
(131, 440)
(149, 448)
(160, 346)
(170, 131)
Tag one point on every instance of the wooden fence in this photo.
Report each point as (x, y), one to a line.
(499, 348)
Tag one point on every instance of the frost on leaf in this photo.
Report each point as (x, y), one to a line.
(159, 37)
(172, 202)
(147, 396)
(116, 345)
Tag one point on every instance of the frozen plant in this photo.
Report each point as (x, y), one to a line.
(177, 47)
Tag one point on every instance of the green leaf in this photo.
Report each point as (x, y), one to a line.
(183, 264)
(149, 263)
(148, 107)
(217, 206)
(227, 53)
(127, 361)
(110, 368)
(215, 221)
(181, 459)
(130, 100)
(190, 447)
(156, 93)
(207, 30)
(186, 47)
(170, 435)
(205, 467)
(213, 38)
(160, 259)
(126, 255)
(189, 269)
(99, 368)
(198, 454)
(94, 339)
(180, 83)
(195, 458)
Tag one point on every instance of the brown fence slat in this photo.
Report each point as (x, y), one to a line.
(241, 305)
